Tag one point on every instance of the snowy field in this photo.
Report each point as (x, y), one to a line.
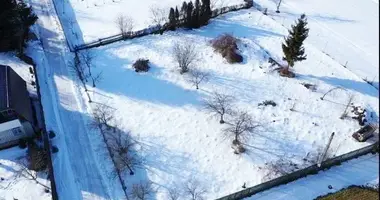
(15, 183)
(347, 30)
(179, 141)
(96, 18)
(360, 171)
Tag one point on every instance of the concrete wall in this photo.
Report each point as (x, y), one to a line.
(314, 169)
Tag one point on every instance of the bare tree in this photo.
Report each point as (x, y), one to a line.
(29, 174)
(197, 77)
(103, 115)
(142, 191)
(173, 194)
(219, 104)
(194, 190)
(122, 148)
(348, 104)
(125, 24)
(88, 59)
(185, 55)
(241, 128)
(158, 15)
(217, 3)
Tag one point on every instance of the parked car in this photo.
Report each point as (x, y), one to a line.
(365, 132)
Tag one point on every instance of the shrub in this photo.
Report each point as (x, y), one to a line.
(268, 102)
(51, 134)
(224, 42)
(37, 157)
(226, 45)
(141, 65)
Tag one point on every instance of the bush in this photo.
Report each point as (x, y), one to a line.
(226, 45)
(51, 134)
(37, 157)
(22, 144)
(141, 65)
(268, 102)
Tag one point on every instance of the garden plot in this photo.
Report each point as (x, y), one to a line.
(94, 19)
(18, 182)
(178, 140)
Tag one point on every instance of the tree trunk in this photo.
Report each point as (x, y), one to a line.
(221, 119)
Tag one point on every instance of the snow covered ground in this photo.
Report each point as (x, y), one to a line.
(347, 30)
(180, 141)
(96, 18)
(360, 171)
(17, 185)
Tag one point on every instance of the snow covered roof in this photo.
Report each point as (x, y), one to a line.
(13, 93)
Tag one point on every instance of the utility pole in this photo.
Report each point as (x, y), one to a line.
(322, 157)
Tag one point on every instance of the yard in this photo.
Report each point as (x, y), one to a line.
(178, 141)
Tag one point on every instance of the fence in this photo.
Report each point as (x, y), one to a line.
(314, 169)
(157, 29)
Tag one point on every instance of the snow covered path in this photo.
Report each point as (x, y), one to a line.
(360, 171)
(76, 168)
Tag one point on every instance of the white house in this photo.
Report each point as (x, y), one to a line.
(16, 116)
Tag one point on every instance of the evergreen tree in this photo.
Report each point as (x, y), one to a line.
(184, 10)
(172, 20)
(196, 14)
(176, 13)
(189, 13)
(205, 13)
(292, 48)
(15, 20)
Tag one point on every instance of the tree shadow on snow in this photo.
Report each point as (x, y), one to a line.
(121, 79)
(358, 86)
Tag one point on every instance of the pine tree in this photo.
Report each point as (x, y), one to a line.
(205, 14)
(15, 20)
(184, 10)
(189, 12)
(172, 20)
(196, 14)
(292, 48)
(176, 13)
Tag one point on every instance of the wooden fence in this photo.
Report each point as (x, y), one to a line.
(157, 29)
(314, 169)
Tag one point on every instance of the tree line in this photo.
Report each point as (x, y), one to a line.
(191, 15)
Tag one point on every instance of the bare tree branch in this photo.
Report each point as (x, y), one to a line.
(197, 77)
(185, 55)
(158, 15)
(142, 191)
(194, 190)
(241, 128)
(219, 104)
(125, 24)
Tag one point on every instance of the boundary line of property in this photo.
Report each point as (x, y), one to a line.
(158, 29)
(314, 169)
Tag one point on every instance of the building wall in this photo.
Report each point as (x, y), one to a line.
(11, 132)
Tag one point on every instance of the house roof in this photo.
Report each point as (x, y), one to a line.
(14, 94)
(4, 100)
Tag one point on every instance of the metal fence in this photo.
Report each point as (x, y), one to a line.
(156, 29)
(314, 169)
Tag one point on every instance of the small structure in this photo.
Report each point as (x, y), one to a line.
(16, 116)
(365, 132)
